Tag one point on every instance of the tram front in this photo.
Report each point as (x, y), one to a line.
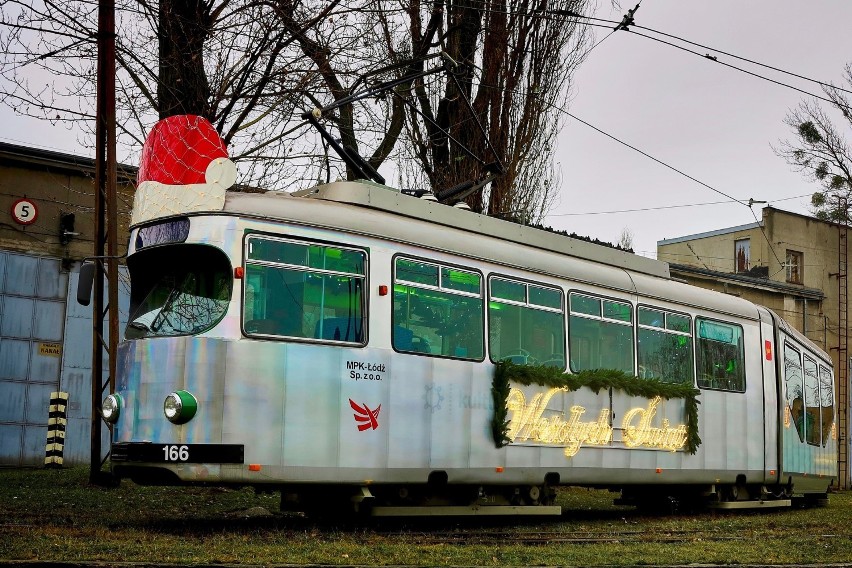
(175, 344)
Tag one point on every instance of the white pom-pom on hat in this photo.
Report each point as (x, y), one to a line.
(221, 173)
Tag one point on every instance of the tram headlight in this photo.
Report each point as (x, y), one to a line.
(180, 406)
(111, 408)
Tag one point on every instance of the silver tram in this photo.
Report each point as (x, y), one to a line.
(340, 344)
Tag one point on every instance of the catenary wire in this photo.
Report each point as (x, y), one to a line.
(703, 56)
(662, 207)
(714, 60)
(798, 76)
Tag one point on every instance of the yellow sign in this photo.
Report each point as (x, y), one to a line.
(527, 423)
(52, 349)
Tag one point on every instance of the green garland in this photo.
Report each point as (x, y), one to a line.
(596, 380)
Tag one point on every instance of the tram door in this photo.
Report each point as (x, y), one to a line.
(809, 433)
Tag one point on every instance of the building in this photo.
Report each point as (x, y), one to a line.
(795, 265)
(47, 205)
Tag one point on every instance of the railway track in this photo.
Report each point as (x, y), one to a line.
(557, 537)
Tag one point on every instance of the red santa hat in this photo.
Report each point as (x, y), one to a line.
(184, 168)
(180, 150)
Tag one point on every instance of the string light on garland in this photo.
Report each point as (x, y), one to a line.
(505, 430)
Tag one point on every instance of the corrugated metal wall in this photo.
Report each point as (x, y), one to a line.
(33, 291)
(77, 369)
(45, 346)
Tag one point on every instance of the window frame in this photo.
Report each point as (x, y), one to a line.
(563, 307)
(788, 408)
(747, 253)
(809, 358)
(696, 339)
(799, 267)
(832, 430)
(665, 329)
(602, 318)
(144, 286)
(365, 297)
(439, 265)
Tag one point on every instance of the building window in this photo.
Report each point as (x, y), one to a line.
(794, 267)
(741, 255)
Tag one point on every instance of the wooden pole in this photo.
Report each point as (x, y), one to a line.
(106, 240)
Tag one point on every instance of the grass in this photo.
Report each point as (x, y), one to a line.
(54, 515)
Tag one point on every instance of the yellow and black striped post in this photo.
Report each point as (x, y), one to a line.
(56, 424)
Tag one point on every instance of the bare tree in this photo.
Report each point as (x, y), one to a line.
(625, 240)
(822, 153)
(229, 61)
(253, 67)
(515, 62)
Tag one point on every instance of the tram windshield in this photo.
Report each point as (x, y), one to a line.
(177, 290)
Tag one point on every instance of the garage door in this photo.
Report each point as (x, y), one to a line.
(32, 315)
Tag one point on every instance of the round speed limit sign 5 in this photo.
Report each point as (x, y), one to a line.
(24, 212)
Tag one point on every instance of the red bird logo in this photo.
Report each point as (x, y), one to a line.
(369, 419)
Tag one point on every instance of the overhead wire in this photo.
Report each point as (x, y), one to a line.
(621, 26)
(618, 27)
(663, 207)
(657, 160)
(647, 155)
(778, 69)
(746, 204)
(715, 60)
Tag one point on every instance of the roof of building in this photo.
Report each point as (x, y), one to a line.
(708, 234)
(749, 281)
(728, 230)
(29, 156)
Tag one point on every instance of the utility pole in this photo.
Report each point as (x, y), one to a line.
(843, 353)
(106, 237)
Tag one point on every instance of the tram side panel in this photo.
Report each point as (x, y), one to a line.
(731, 389)
(730, 412)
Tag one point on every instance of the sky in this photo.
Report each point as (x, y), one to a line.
(713, 123)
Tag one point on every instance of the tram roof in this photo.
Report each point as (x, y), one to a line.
(441, 227)
(381, 198)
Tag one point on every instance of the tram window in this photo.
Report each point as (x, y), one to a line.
(826, 403)
(794, 387)
(813, 420)
(177, 290)
(416, 272)
(526, 323)
(720, 355)
(303, 290)
(306, 255)
(437, 310)
(600, 334)
(665, 346)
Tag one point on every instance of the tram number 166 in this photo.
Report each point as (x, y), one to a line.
(176, 453)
